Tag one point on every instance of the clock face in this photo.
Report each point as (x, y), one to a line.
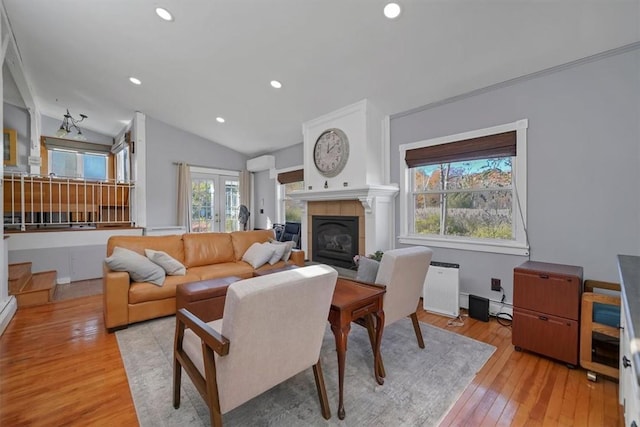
(331, 152)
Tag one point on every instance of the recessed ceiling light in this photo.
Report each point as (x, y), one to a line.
(392, 10)
(164, 14)
(276, 84)
(135, 81)
(219, 120)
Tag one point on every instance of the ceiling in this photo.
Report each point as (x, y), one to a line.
(218, 56)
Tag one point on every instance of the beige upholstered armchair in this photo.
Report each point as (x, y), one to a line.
(272, 329)
(402, 273)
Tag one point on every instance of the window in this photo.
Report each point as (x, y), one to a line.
(290, 209)
(76, 159)
(123, 165)
(70, 164)
(467, 191)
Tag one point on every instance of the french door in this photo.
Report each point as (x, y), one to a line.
(215, 202)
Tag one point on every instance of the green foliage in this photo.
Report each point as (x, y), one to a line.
(376, 256)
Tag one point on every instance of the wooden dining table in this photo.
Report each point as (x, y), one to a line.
(351, 301)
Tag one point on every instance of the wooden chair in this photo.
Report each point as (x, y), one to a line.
(254, 347)
(600, 321)
(402, 273)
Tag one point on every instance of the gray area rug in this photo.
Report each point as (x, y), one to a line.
(420, 387)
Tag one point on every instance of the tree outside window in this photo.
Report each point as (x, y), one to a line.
(470, 198)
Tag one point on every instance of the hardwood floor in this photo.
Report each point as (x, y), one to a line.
(58, 366)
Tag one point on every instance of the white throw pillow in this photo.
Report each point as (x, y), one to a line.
(257, 254)
(278, 252)
(172, 266)
(288, 247)
(139, 267)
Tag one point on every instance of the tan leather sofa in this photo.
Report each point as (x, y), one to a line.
(206, 256)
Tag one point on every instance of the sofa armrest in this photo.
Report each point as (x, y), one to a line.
(297, 257)
(115, 292)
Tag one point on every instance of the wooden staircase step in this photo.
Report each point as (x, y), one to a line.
(19, 276)
(40, 290)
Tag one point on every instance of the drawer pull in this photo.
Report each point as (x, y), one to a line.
(545, 318)
(544, 276)
(364, 310)
(626, 362)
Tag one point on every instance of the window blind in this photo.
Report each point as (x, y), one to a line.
(291, 176)
(497, 145)
(79, 146)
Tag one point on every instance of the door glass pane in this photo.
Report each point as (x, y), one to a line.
(231, 205)
(202, 205)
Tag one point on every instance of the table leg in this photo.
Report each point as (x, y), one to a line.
(377, 357)
(340, 333)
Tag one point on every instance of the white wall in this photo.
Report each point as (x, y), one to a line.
(583, 164)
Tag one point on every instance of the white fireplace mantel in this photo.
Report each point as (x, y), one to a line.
(377, 201)
(365, 194)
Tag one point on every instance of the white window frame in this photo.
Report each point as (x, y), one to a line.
(520, 244)
(280, 213)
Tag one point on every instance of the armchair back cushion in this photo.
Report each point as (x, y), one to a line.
(403, 272)
(207, 248)
(275, 325)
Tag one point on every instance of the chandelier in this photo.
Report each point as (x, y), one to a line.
(68, 124)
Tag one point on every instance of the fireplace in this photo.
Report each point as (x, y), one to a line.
(334, 239)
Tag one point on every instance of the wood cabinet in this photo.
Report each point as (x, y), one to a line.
(546, 309)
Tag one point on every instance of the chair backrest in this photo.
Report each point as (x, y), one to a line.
(292, 231)
(275, 325)
(403, 272)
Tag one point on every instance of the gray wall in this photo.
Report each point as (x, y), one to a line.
(49, 126)
(18, 119)
(265, 187)
(166, 145)
(583, 165)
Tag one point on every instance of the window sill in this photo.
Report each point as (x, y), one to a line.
(497, 247)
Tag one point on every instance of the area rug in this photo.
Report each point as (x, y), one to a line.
(420, 387)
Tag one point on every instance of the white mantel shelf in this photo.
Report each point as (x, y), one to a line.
(346, 193)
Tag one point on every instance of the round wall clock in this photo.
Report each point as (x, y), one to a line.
(331, 152)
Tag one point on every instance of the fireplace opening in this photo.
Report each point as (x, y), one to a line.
(334, 240)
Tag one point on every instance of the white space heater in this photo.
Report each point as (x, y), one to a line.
(441, 289)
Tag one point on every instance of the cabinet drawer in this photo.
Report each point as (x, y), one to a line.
(553, 294)
(552, 336)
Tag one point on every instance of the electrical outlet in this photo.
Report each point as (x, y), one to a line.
(495, 284)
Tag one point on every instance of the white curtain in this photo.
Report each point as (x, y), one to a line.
(184, 196)
(245, 188)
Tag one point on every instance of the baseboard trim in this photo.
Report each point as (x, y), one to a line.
(7, 311)
(495, 306)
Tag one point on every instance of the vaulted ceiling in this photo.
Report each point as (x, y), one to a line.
(217, 57)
